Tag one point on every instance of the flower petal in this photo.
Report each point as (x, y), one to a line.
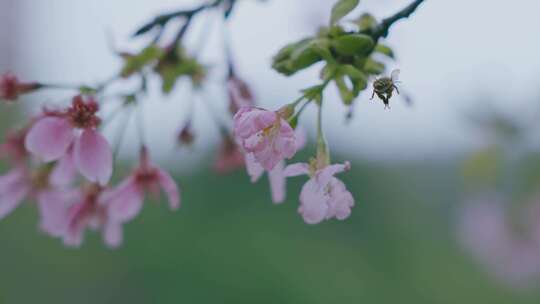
(250, 120)
(125, 202)
(314, 203)
(12, 198)
(277, 183)
(325, 175)
(112, 234)
(64, 171)
(296, 169)
(49, 138)
(53, 209)
(254, 170)
(93, 157)
(168, 185)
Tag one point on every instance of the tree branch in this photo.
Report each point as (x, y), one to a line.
(381, 31)
(161, 20)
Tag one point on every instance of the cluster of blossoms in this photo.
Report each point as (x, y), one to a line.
(267, 139)
(62, 161)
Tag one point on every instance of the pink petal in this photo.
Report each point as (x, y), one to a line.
(301, 138)
(64, 171)
(125, 202)
(314, 203)
(53, 209)
(296, 169)
(250, 120)
(112, 234)
(14, 176)
(254, 170)
(49, 138)
(277, 183)
(325, 175)
(11, 199)
(341, 200)
(171, 189)
(77, 220)
(93, 157)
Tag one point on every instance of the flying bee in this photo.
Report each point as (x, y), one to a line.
(385, 86)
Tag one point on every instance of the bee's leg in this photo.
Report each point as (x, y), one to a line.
(389, 95)
(381, 96)
(395, 87)
(386, 104)
(372, 95)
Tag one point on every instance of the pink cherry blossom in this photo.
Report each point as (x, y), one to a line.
(265, 134)
(52, 135)
(323, 196)
(11, 87)
(240, 94)
(88, 212)
(276, 176)
(13, 146)
(229, 158)
(24, 183)
(125, 201)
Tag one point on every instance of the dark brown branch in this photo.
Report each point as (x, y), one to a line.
(381, 31)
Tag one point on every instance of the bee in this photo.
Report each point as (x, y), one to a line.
(384, 87)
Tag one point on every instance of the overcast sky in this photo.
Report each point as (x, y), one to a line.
(452, 54)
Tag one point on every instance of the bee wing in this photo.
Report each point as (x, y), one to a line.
(395, 75)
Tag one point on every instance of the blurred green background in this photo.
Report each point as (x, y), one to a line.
(229, 244)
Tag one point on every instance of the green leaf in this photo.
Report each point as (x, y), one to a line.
(373, 67)
(296, 56)
(385, 50)
(365, 22)
(354, 44)
(351, 71)
(346, 94)
(286, 51)
(342, 8)
(314, 93)
(135, 63)
(304, 57)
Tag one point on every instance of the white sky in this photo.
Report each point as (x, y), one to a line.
(451, 54)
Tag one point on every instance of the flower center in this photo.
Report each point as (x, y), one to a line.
(83, 114)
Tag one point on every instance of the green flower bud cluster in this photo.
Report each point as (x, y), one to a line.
(170, 64)
(348, 55)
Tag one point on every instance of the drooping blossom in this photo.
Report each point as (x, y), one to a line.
(323, 196)
(126, 200)
(54, 134)
(88, 211)
(13, 146)
(229, 157)
(14, 187)
(27, 183)
(186, 136)
(276, 176)
(240, 94)
(485, 232)
(11, 87)
(266, 134)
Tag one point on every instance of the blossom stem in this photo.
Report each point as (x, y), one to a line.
(323, 155)
(140, 123)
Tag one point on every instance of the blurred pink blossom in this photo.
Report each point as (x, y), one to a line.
(125, 201)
